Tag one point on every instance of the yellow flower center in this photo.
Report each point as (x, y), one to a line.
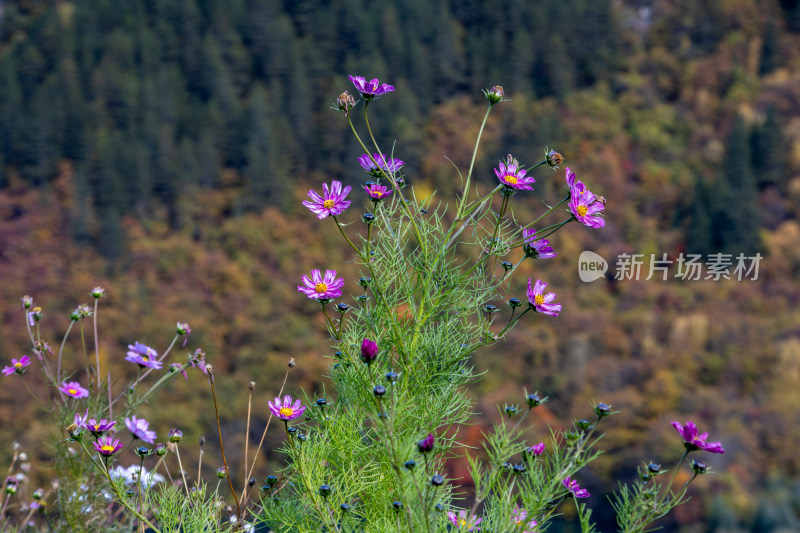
(511, 179)
(72, 391)
(462, 522)
(538, 299)
(377, 194)
(582, 209)
(328, 204)
(321, 287)
(286, 411)
(107, 449)
(18, 364)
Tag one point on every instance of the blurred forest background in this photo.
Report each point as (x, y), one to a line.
(161, 148)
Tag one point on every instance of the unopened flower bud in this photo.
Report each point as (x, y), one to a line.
(251, 482)
(439, 508)
(535, 401)
(344, 102)
(291, 431)
(410, 464)
(161, 449)
(201, 441)
(272, 480)
(495, 94)
(489, 308)
(511, 410)
(426, 444)
(391, 376)
(222, 472)
(322, 402)
(583, 424)
(506, 265)
(379, 391)
(342, 307)
(437, 480)
(654, 468)
(344, 507)
(602, 410)
(519, 469)
(176, 435)
(143, 451)
(368, 218)
(369, 351)
(364, 281)
(699, 467)
(398, 506)
(514, 302)
(554, 158)
(324, 490)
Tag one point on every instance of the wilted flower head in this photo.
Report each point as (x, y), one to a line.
(198, 360)
(177, 367)
(495, 94)
(370, 89)
(512, 176)
(369, 351)
(140, 429)
(17, 365)
(426, 444)
(536, 249)
(27, 301)
(692, 441)
(377, 192)
(107, 445)
(319, 287)
(344, 102)
(73, 389)
(554, 158)
(98, 292)
(143, 356)
(331, 203)
(463, 521)
(383, 166)
(182, 328)
(518, 518)
(35, 315)
(286, 410)
(572, 486)
(540, 301)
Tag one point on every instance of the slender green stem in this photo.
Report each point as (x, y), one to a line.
(96, 343)
(222, 448)
(180, 465)
(353, 246)
(61, 349)
(465, 197)
(550, 210)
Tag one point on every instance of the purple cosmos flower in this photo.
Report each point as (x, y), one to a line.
(98, 428)
(518, 517)
(17, 365)
(319, 287)
(286, 410)
(426, 444)
(73, 389)
(377, 192)
(143, 356)
(80, 421)
(369, 351)
(693, 441)
(393, 165)
(370, 89)
(182, 328)
(572, 486)
(140, 429)
(533, 248)
(537, 449)
(512, 176)
(463, 520)
(586, 207)
(331, 203)
(540, 301)
(198, 360)
(107, 445)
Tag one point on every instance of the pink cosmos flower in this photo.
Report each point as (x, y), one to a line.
(543, 303)
(572, 486)
(79, 420)
(692, 441)
(140, 429)
(585, 206)
(17, 365)
(98, 428)
(463, 520)
(518, 517)
(107, 445)
(536, 249)
(512, 176)
(537, 449)
(386, 165)
(331, 203)
(377, 192)
(370, 89)
(319, 287)
(73, 389)
(143, 355)
(286, 410)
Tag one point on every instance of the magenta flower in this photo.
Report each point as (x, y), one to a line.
(534, 248)
(377, 192)
(512, 176)
(692, 441)
(370, 89)
(585, 206)
(426, 444)
(140, 429)
(463, 520)
(17, 366)
(98, 428)
(107, 445)
(286, 410)
(319, 287)
(518, 517)
(537, 449)
(331, 203)
(73, 389)
(383, 165)
(369, 351)
(572, 486)
(540, 301)
(143, 355)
